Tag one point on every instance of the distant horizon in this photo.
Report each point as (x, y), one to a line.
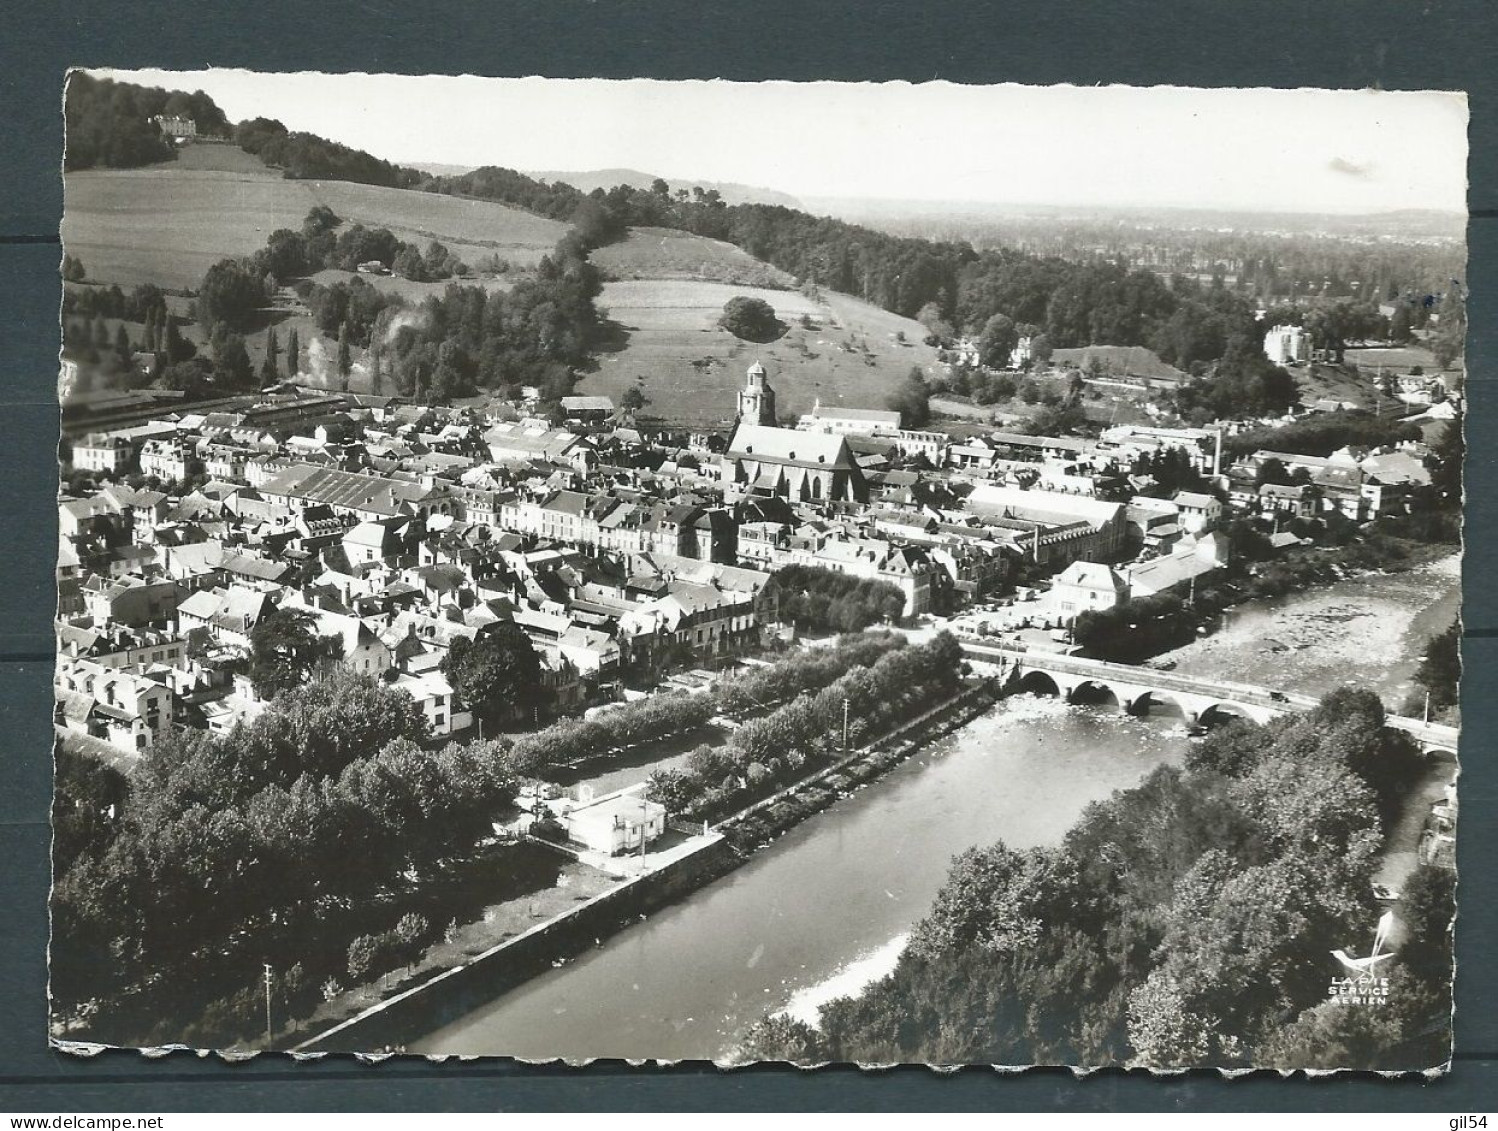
(952, 203)
(1333, 152)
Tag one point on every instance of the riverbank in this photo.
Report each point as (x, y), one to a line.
(1365, 630)
(811, 902)
(427, 995)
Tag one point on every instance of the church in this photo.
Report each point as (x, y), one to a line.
(805, 467)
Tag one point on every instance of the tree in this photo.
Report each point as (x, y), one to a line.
(231, 360)
(1400, 329)
(1427, 908)
(671, 788)
(269, 373)
(989, 900)
(293, 354)
(1041, 350)
(364, 954)
(498, 675)
(1440, 672)
(912, 400)
(345, 358)
(752, 319)
(409, 264)
(230, 295)
(72, 269)
(633, 400)
(938, 330)
(178, 349)
(997, 341)
(284, 650)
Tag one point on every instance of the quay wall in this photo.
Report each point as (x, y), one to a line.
(453, 993)
(459, 990)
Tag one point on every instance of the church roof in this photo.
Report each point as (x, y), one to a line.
(789, 446)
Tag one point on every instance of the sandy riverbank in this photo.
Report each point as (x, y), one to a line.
(1367, 631)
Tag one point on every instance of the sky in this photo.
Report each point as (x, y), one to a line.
(1259, 149)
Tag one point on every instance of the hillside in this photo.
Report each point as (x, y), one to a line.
(664, 253)
(691, 370)
(1132, 361)
(167, 224)
(731, 192)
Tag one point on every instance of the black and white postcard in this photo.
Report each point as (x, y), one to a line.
(825, 572)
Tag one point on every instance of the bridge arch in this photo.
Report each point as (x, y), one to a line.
(1142, 703)
(1097, 692)
(1223, 712)
(1039, 683)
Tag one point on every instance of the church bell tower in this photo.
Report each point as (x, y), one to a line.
(757, 399)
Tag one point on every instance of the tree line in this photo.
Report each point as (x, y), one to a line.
(305, 156)
(569, 741)
(325, 796)
(774, 750)
(1187, 922)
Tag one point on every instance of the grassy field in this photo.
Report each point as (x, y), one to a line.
(1132, 361)
(472, 229)
(662, 253)
(1394, 359)
(691, 370)
(167, 224)
(413, 293)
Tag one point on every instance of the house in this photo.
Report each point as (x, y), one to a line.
(850, 421)
(109, 452)
(522, 442)
(1287, 345)
(170, 460)
(372, 542)
(433, 694)
(227, 614)
(129, 601)
(1086, 587)
(615, 823)
(123, 707)
(1198, 512)
(1179, 570)
(587, 410)
(1299, 501)
(178, 127)
(353, 644)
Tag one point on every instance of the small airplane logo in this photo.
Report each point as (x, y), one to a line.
(1362, 968)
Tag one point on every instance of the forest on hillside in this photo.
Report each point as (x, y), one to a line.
(1209, 329)
(109, 122)
(1189, 921)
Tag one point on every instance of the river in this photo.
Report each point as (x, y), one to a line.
(827, 907)
(824, 908)
(1368, 631)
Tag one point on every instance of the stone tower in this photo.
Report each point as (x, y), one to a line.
(757, 399)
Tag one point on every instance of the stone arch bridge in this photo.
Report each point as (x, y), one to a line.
(1136, 689)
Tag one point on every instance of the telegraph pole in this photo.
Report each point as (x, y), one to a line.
(267, 1003)
(845, 726)
(644, 826)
